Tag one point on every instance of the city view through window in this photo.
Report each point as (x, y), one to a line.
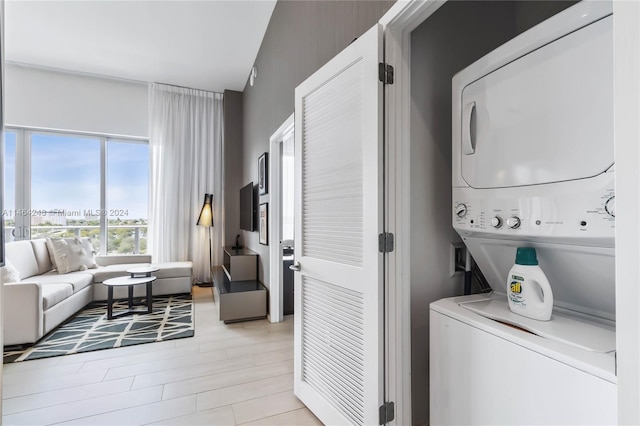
(63, 197)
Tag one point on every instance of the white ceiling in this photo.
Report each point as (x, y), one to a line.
(208, 45)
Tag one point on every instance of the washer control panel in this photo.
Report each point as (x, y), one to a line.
(563, 210)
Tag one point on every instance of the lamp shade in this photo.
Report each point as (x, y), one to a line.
(206, 214)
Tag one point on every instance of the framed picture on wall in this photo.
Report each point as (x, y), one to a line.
(262, 174)
(264, 223)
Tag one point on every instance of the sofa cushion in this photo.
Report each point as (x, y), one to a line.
(42, 255)
(77, 280)
(53, 293)
(173, 269)
(21, 256)
(70, 255)
(114, 271)
(8, 273)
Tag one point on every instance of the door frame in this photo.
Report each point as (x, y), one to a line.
(276, 291)
(398, 23)
(626, 64)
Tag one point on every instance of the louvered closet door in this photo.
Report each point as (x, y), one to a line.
(339, 288)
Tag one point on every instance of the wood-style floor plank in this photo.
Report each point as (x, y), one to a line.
(226, 374)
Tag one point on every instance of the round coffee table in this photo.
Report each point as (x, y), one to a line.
(138, 276)
(142, 271)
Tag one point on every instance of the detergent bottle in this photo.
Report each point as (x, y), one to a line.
(528, 290)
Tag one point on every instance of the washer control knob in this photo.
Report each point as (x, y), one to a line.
(610, 206)
(461, 210)
(513, 222)
(496, 222)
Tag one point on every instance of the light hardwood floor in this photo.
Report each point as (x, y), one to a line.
(226, 375)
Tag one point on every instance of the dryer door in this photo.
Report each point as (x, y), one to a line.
(545, 117)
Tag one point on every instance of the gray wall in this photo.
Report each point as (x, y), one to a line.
(301, 37)
(232, 164)
(458, 34)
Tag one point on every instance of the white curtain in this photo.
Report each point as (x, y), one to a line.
(185, 131)
(288, 179)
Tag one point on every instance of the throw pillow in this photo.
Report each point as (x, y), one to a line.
(91, 253)
(8, 273)
(51, 251)
(70, 255)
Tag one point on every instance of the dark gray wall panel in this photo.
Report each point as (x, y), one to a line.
(301, 37)
(232, 164)
(454, 37)
(532, 12)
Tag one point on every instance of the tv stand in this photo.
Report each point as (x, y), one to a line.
(240, 295)
(239, 264)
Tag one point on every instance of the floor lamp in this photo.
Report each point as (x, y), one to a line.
(206, 219)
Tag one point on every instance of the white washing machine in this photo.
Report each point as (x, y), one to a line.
(533, 167)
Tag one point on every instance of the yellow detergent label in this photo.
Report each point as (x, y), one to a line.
(516, 287)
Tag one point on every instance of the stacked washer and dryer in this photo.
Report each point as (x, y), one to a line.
(533, 167)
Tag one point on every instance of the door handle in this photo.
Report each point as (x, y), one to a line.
(469, 129)
(295, 267)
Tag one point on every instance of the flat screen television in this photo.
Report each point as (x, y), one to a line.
(247, 212)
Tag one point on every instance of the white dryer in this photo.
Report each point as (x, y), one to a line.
(533, 166)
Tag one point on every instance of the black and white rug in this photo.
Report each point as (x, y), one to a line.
(90, 330)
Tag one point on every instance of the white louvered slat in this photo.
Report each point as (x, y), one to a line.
(332, 345)
(349, 344)
(332, 203)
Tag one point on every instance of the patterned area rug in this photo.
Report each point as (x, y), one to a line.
(90, 330)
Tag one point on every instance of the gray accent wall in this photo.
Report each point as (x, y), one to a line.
(232, 165)
(532, 12)
(454, 37)
(439, 49)
(301, 37)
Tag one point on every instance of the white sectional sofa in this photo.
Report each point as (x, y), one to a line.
(43, 298)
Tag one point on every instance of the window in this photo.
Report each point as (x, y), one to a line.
(127, 196)
(63, 185)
